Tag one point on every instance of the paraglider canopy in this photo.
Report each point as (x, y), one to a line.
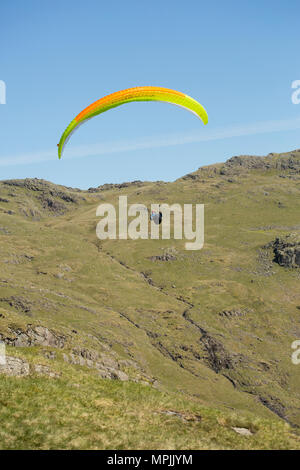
(144, 93)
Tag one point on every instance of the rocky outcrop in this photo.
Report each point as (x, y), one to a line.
(108, 186)
(235, 312)
(38, 335)
(19, 303)
(52, 204)
(287, 251)
(218, 357)
(43, 186)
(107, 367)
(47, 197)
(247, 162)
(15, 366)
(164, 257)
(242, 164)
(281, 162)
(274, 404)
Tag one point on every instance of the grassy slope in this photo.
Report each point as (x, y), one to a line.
(165, 316)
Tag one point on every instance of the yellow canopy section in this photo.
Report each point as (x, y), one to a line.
(144, 93)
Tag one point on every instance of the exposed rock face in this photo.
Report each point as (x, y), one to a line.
(18, 302)
(248, 162)
(237, 312)
(15, 366)
(274, 404)
(42, 186)
(108, 186)
(271, 161)
(287, 251)
(218, 357)
(244, 163)
(38, 335)
(50, 197)
(52, 205)
(107, 367)
(18, 367)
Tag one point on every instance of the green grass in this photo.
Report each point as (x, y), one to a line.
(40, 413)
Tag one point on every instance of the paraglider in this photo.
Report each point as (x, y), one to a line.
(144, 93)
(156, 217)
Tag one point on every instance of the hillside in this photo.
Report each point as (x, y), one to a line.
(141, 343)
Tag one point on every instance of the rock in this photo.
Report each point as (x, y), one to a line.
(108, 361)
(144, 382)
(15, 367)
(243, 431)
(218, 357)
(287, 251)
(18, 303)
(86, 353)
(59, 275)
(248, 162)
(114, 374)
(66, 358)
(107, 367)
(182, 415)
(156, 384)
(52, 205)
(4, 231)
(164, 257)
(65, 267)
(77, 360)
(46, 188)
(122, 376)
(289, 161)
(235, 312)
(49, 354)
(45, 337)
(131, 363)
(104, 374)
(109, 186)
(38, 335)
(274, 404)
(45, 370)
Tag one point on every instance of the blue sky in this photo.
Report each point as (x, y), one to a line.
(238, 59)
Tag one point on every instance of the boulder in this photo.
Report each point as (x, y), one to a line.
(287, 251)
(15, 366)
